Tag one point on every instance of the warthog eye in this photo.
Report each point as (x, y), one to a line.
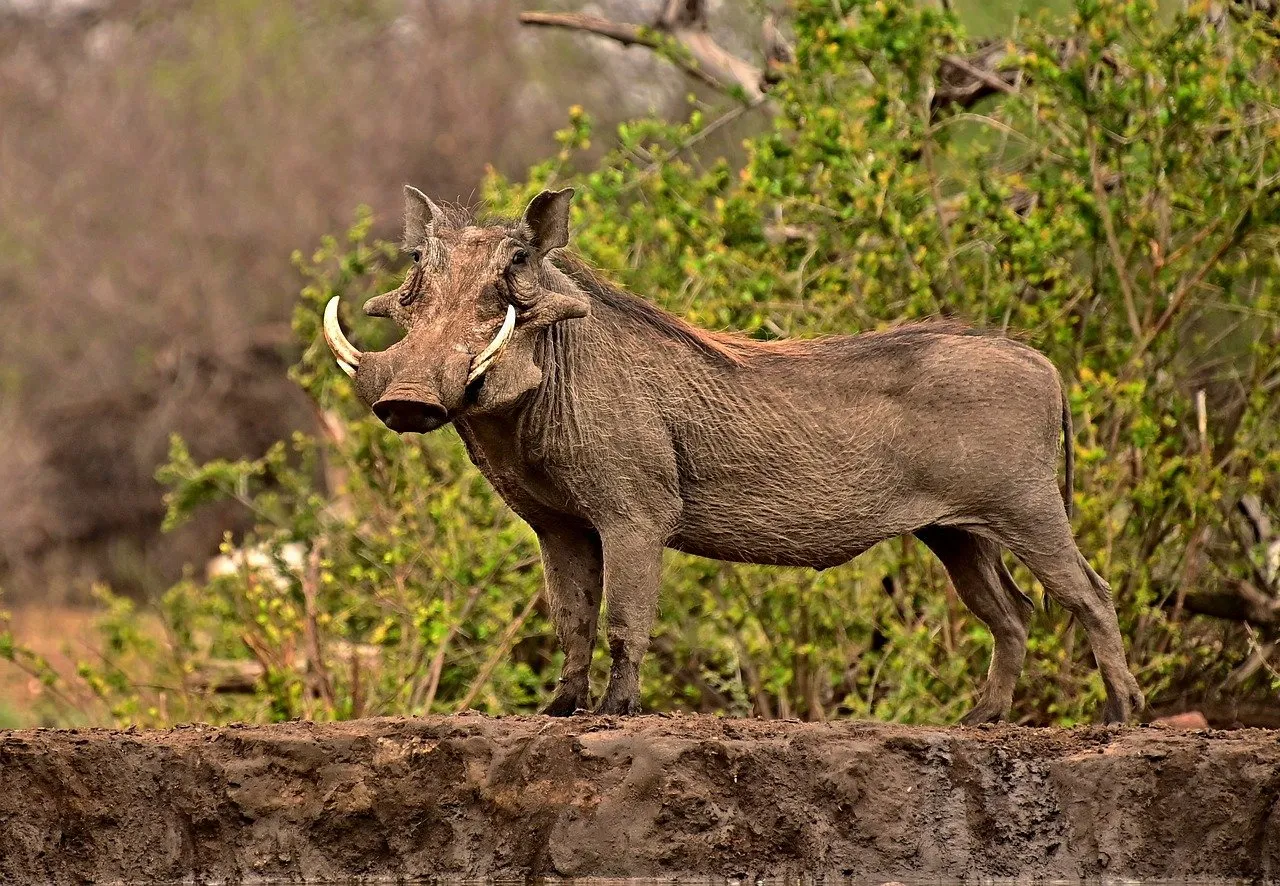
(417, 255)
(520, 257)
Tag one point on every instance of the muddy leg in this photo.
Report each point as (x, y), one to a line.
(632, 576)
(991, 594)
(1048, 549)
(573, 572)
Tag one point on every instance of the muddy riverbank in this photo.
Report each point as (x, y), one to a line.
(473, 796)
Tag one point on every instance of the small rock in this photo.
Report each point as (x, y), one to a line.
(1188, 720)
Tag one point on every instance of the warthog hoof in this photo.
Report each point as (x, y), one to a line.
(624, 706)
(1121, 706)
(568, 700)
(985, 712)
(564, 707)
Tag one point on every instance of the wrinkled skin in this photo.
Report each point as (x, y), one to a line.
(617, 430)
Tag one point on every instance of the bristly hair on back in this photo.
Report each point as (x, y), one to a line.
(726, 348)
(720, 347)
(737, 348)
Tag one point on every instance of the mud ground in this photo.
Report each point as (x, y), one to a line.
(693, 797)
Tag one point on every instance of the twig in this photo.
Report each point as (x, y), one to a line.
(40, 671)
(983, 76)
(683, 40)
(357, 689)
(504, 645)
(1232, 240)
(1263, 656)
(935, 190)
(720, 122)
(310, 585)
(1191, 244)
(437, 660)
(1109, 229)
(970, 116)
(755, 684)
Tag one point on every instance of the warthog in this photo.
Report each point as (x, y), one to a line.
(617, 430)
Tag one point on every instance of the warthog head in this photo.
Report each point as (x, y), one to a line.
(471, 307)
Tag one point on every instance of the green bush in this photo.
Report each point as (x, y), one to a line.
(1118, 211)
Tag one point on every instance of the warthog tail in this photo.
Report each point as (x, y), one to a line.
(1069, 452)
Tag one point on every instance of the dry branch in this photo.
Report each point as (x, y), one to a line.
(505, 643)
(1239, 601)
(681, 34)
(684, 41)
(626, 34)
(966, 80)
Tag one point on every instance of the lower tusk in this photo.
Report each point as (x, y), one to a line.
(343, 351)
(485, 358)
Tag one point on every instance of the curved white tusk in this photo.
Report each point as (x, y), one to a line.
(343, 351)
(485, 358)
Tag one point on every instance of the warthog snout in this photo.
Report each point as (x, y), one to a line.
(410, 410)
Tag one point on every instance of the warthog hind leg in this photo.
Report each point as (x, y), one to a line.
(985, 586)
(1043, 541)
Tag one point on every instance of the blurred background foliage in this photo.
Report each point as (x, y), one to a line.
(158, 165)
(1114, 201)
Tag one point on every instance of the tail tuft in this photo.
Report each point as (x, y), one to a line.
(1069, 453)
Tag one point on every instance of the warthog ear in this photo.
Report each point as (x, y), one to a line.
(420, 216)
(547, 220)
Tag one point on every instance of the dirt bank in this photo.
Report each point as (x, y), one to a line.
(664, 796)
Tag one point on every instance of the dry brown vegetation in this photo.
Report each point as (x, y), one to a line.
(160, 164)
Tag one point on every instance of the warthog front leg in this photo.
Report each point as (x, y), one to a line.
(573, 572)
(632, 576)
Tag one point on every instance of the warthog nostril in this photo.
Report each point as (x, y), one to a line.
(410, 416)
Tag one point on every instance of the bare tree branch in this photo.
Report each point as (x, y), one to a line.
(680, 34)
(966, 81)
(778, 51)
(626, 34)
(1238, 601)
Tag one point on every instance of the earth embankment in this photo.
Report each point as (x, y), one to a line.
(697, 797)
